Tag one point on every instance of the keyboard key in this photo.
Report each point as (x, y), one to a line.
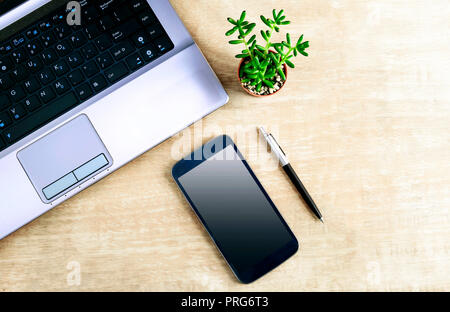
(154, 31)
(17, 93)
(5, 48)
(5, 120)
(60, 68)
(19, 55)
(122, 49)
(75, 59)
(33, 32)
(4, 101)
(92, 31)
(47, 94)
(90, 69)
(148, 53)
(146, 18)
(134, 61)
(6, 82)
(32, 103)
(116, 72)
(84, 91)
(61, 85)
(34, 64)
(103, 42)
(33, 47)
(105, 60)
(17, 112)
(75, 77)
(89, 51)
(138, 5)
(47, 39)
(5, 64)
(31, 85)
(140, 39)
(89, 14)
(77, 39)
(62, 31)
(46, 76)
(98, 83)
(58, 17)
(46, 25)
(125, 30)
(163, 44)
(106, 5)
(106, 23)
(121, 14)
(19, 73)
(40, 117)
(18, 41)
(63, 48)
(48, 56)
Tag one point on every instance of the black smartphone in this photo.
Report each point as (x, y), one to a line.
(235, 209)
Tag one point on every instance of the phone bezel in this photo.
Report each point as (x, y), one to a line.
(265, 265)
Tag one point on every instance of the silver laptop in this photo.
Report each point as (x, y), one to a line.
(86, 87)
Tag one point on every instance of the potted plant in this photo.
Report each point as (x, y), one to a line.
(262, 70)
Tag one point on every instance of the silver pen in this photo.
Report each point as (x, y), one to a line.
(278, 151)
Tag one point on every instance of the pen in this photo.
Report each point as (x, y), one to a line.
(276, 149)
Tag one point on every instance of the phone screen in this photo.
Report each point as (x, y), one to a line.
(235, 210)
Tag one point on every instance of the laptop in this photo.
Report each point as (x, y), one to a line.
(86, 88)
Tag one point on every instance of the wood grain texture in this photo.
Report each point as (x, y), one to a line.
(365, 120)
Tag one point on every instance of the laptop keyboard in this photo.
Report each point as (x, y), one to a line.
(51, 67)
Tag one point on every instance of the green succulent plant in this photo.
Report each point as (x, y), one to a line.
(263, 63)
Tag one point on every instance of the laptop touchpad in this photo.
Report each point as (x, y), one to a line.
(64, 159)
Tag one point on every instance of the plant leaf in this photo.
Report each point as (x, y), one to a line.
(303, 53)
(268, 83)
(285, 23)
(231, 31)
(249, 28)
(288, 38)
(278, 49)
(236, 41)
(232, 21)
(251, 39)
(241, 19)
(258, 87)
(241, 55)
(251, 71)
(263, 34)
(280, 71)
(265, 21)
(274, 13)
(290, 64)
(299, 40)
(258, 53)
(280, 14)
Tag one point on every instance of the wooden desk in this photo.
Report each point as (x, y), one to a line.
(365, 120)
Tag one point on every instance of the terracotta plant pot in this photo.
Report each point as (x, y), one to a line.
(259, 95)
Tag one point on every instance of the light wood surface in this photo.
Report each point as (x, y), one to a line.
(365, 121)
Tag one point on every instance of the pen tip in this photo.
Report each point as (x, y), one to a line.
(321, 220)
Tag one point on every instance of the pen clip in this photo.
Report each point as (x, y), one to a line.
(277, 144)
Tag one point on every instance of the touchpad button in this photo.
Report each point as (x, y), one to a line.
(64, 159)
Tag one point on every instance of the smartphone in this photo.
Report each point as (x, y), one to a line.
(234, 208)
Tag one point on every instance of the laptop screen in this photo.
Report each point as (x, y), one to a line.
(7, 5)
